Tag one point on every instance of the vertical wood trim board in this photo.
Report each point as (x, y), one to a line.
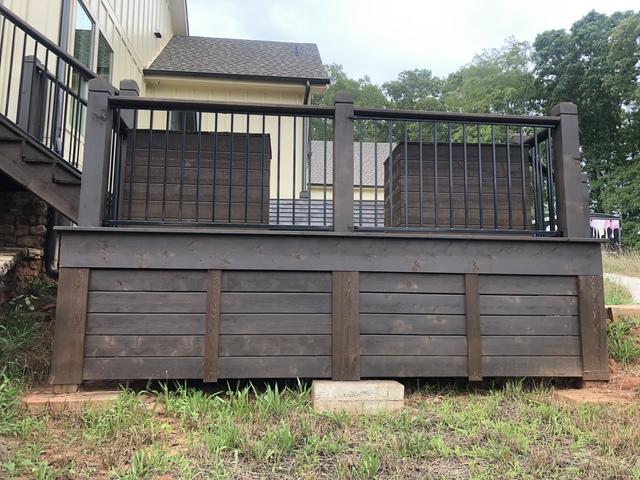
(593, 328)
(212, 327)
(472, 312)
(345, 326)
(71, 315)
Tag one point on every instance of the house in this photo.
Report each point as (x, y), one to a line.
(204, 246)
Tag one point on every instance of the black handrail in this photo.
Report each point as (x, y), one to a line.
(44, 41)
(454, 117)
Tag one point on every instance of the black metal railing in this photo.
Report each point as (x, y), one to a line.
(217, 164)
(43, 89)
(455, 172)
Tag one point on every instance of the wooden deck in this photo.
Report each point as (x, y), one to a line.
(218, 304)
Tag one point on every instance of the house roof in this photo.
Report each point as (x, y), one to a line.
(231, 58)
(369, 162)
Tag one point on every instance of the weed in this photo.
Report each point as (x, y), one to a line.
(623, 344)
(616, 294)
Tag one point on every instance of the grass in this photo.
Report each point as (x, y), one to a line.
(623, 338)
(616, 294)
(623, 263)
(505, 430)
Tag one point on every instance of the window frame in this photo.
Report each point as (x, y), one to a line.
(95, 30)
(106, 42)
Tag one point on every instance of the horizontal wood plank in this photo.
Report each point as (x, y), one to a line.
(395, 345)
(534, 366)
(529, 325)
(274, 345)
(528, 285)
(413, 366)
(146, 302)
(411, 283)
(132, 368)
(274, 281)
(275, 323)
(540, 345)
(251, 302)
(143, 346)
(145, 324)
(411, 303)
(275, 367)
(148, 280)
(403, 324)
(528, 305)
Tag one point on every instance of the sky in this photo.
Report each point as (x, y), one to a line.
(382, 38)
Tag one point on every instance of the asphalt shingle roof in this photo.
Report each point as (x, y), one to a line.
(369, 161)
(226, 57)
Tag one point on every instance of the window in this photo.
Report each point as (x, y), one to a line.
(177, 121)
(105, 59)
(83, 36)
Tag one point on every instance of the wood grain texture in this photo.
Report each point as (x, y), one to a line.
(410, 345)
(413, 366)
(320, 251)
(403, 324)
(251, 302)
(593, 328)
(148, 280)
(68, 339)
(146, 302)
(541, 345)
(275, 323)
(145, 324)
(144, 346)
(212, 327)
(528, 285)
(528, 305)
(275, 281)
(345, 326)
(415, 303)
(529, 325)
(275, 345)
(474, 334)
(410, 283)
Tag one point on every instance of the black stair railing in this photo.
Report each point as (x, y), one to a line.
(43, 89)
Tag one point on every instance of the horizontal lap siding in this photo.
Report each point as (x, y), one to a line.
(145, 324)
(275, 324)
(530, 325)
(412, 324)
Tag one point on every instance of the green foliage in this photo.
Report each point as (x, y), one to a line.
(616, 294)
(623, 339)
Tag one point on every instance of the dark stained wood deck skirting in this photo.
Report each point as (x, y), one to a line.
(164, 304)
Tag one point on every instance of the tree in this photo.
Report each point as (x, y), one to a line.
(415, 90)
(365, 93)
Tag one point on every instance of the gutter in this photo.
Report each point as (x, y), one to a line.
(307, 93)
(150, 72)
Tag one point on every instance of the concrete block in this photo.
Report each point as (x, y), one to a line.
(44, 399)
(362, 396)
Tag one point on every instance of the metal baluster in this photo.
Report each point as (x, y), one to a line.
(231, 141)
(133, 158)
(522, 185)
(508, 146)
(391, 215)
(264, 147)
(376, 124)
(33, 78)
(197, 199)
(435, 173)
(420, 172)
(246, 177)
(324, 172)
(451, 219)
(406, 176)
(181, 186)
(10, 76)
(466, 175)
(146, 193)
(293, 197)
(165, 162)
(550, 184)
(24, 53)
(278, 174)
(480, 196)
(360, 123)
(495, 180)
(215, 167)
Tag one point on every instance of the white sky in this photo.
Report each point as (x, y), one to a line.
(383, 37)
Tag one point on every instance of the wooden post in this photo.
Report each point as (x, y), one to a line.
(593, 328)
(68, 339)
(128, 88)
(97, 142)
(571, 183)
(474, 338)
(212, 327)
(345, 326)
(343, 163)
(31, 97)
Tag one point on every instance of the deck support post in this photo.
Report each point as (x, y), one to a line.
(128, 88)
(474, 338)
(97, 142)
(212, 327)
(593, 328)
(68, 339)
(345, 326)
(343, 163)
(571, 182)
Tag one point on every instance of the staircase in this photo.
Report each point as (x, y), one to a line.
(42, 114)
(39, 169)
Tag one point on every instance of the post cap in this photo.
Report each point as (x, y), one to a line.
(130, 86)
(565, 108)
(344, 97)
(101, 85)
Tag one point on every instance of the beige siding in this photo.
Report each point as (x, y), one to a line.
(237, 91)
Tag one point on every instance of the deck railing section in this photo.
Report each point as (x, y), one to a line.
(43, 89)
(215, 163)
(429, 171)
(340, 168)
